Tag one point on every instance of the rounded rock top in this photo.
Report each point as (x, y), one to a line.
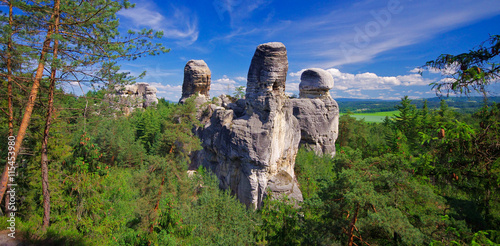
(314, 79)
(272, 46)
(198, 63)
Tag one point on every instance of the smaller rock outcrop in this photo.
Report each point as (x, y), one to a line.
(138, 95)
(317, 112)
(197, 79)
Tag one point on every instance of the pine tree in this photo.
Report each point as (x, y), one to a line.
(83, 41)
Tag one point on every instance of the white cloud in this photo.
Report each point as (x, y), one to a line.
(180, 25)
(297, 74)
(169, 92)
(238, 10)
(413, 79)
(292, 87)
(416, 70)
(372, 81)
(241, 79)
(448, 70)
(224, 85)
(167, 88)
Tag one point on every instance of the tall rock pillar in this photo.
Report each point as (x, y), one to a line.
(253, 154)
(197, 79)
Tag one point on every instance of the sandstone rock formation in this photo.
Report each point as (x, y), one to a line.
(197, 79)
(251, 143)
(317, 112)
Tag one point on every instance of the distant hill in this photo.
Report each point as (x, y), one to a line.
(461, 104)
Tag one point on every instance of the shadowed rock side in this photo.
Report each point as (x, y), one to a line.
(317, 112)
(197, 79)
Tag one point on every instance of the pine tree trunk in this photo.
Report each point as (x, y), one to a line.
(157, 204)
(29, 108)
(50, 109)
(352, 225)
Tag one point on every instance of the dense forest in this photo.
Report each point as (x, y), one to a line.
(422, 177)
(81, 170)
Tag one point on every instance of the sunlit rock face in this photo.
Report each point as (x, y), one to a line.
(317, 112)
(197, 79)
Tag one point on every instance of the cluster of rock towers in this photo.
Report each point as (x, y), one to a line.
(251, 143)
(130, 97)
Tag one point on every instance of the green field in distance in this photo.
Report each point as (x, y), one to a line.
(375, 117)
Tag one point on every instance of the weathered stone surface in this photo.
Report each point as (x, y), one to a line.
(138, 95)
(197, 79)
(315, 83)
(319, 123)
(266, 75)
(150, 96)
(317, 112)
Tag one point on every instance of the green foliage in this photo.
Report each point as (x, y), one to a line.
(124, 182)
(177, 137)
(359, 134)
(313, 172)
(280, 222)
(217, 218)
(470, 71)
(239, 92)
(383, 198)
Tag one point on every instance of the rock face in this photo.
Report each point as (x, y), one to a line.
(317, 112)
(197, 79)
(251, 144)
(138, 95)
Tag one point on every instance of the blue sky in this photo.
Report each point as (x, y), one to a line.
(371, 47)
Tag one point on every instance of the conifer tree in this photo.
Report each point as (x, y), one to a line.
(88, 46)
